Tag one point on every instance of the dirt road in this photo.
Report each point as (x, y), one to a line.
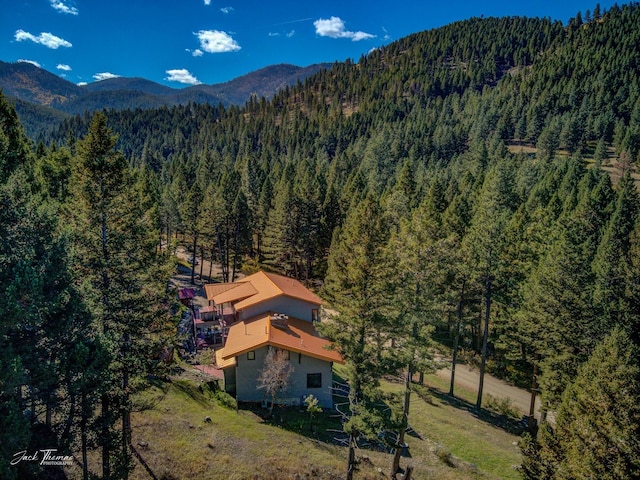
(468, 378)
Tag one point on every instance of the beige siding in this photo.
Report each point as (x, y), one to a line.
(289, 306)
(247, 372)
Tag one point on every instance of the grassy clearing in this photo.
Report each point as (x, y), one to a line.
(457, 443)
(182, 431)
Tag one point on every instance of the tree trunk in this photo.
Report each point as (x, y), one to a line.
(456, 339)
(225, 272)
(485, 339)
(227, 249)
(201, 260)
(534, 389)
(235, 250)
(66, 432)
(258, 247)
(126, 410)
(106, 284)
(395, 466)
(351, 463)
(83, 436)
(213, 253)
(47, 416)
(479, 329)
(193, 264)
(106, 459)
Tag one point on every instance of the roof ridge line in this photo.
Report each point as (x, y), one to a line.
(266, 274)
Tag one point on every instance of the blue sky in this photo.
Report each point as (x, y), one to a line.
(185, 42)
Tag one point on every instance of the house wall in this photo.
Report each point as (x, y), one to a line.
(247, 372)
(230, 380)
(283, 304)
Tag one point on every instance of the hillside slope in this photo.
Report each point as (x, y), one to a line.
(29, 83)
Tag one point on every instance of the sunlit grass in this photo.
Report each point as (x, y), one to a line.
(177, 441)
(454, 434)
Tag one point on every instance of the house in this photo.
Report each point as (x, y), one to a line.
(265, 311)
(263, 292)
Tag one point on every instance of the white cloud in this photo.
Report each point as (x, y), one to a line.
(334, 28)
(277, 34)
(226, 9)
(32, 62)
(216, 41)
(47, 39)
(64, 67)
(197, 53)
(105, 76)
(81, 84)
(62, 7)
(182, 75)
(207, 2)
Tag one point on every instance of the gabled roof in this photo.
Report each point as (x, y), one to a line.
(240, 291)
(297, 336)
(257, 288)
(223, 363)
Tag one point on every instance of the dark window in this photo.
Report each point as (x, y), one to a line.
(251, 355)
(314, 380)
(314, 315)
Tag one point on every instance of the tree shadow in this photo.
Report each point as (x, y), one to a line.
(296, 419)
(504, 422)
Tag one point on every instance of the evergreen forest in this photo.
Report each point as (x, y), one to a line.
(471, 188)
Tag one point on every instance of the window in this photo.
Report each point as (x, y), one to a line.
(251, 355)
(314, 380)
(314, 315)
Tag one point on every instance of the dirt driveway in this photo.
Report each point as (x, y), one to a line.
(469, 378)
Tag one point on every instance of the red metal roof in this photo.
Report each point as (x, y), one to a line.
(257, 288)
(297, 336)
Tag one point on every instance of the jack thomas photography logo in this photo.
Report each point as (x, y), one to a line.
(43, 457)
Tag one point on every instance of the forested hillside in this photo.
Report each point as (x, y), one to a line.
(428, 122)
(43, 99)
(470, 185)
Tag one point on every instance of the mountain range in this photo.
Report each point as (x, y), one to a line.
(42, 98)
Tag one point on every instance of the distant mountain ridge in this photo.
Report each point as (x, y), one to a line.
(52, 97)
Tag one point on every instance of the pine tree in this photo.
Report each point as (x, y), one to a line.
(353, 289)
(611, 293)
(192, 220)
(14, 147)
(483, 245)
(122, 278)
(16, 312)
(282, 242)
(598, 421)
(417, 261)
